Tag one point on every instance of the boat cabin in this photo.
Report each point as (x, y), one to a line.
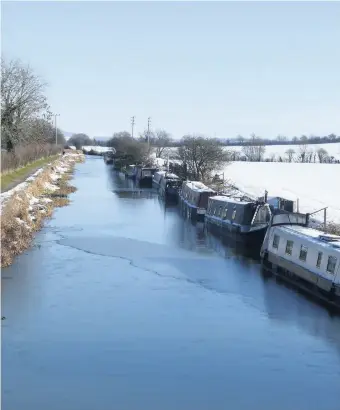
(196, 194)
(171, 180)
(245, 216)
(157, 177)
(194, 197)
(279, 204)
(130, 171)
(144, 175)
(305, 253)
(170, 186)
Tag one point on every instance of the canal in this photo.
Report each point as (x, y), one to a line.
(121, 304)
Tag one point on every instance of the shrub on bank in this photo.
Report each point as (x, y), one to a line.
(25, 154)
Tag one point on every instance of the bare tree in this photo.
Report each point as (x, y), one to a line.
(322, 154)
(290, 154)
(202, 155)
(303, 150)
(234, 155)
(42, 131)
(159, 139)
(162, 140)
(255, 150)
(23, 99)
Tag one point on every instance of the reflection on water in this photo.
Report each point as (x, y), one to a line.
(124, 304)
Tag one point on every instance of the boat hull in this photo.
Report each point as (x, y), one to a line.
(304, 280)
(238, 233)
(191, 211)
(169, 195)
(145, 182)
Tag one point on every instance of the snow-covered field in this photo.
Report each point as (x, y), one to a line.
(276, 151)
(316, 185)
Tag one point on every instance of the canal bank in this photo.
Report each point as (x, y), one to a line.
(25, 207)
(121, 303)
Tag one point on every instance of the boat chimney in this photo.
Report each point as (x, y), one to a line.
(265, 196)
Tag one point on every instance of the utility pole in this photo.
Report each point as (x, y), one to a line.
(56, 129)
(149, 122)
(132, 125)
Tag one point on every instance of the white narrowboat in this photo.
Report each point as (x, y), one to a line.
(193, 199)
(305, 256)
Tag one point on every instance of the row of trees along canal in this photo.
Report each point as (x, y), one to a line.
(28, 131)
(198, 156)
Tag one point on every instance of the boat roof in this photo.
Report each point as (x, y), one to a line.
(230, 200)
(198, 186)
(172, 176)
(160, 172)
(314, 235)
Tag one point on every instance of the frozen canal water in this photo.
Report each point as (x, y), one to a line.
(121, 304)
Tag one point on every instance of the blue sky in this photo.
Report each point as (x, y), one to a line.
(218, 68)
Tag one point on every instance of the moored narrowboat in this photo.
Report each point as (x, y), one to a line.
(144, 176)
(240, 218)
(306, 257)
(130, 171)
(157, 177)
(108, 157)
(193, 198)
(170, 185)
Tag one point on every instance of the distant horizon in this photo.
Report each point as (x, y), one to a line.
(215, 68)
(69, 135)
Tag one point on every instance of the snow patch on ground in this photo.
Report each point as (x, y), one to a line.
(21, 222)
(315, 185)
(62, 166)
(50, 187)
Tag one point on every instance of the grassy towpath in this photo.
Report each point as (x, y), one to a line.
(16, 177)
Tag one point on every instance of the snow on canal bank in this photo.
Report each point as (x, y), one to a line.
(316, 185)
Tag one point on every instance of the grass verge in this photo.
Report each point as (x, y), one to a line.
(19, 175)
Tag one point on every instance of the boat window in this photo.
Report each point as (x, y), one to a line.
(318, 262)
(220, 212)
(303, 253)
(276, 241)
(289, 247)
(225, 212)
(332, 260)
(234, 214)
